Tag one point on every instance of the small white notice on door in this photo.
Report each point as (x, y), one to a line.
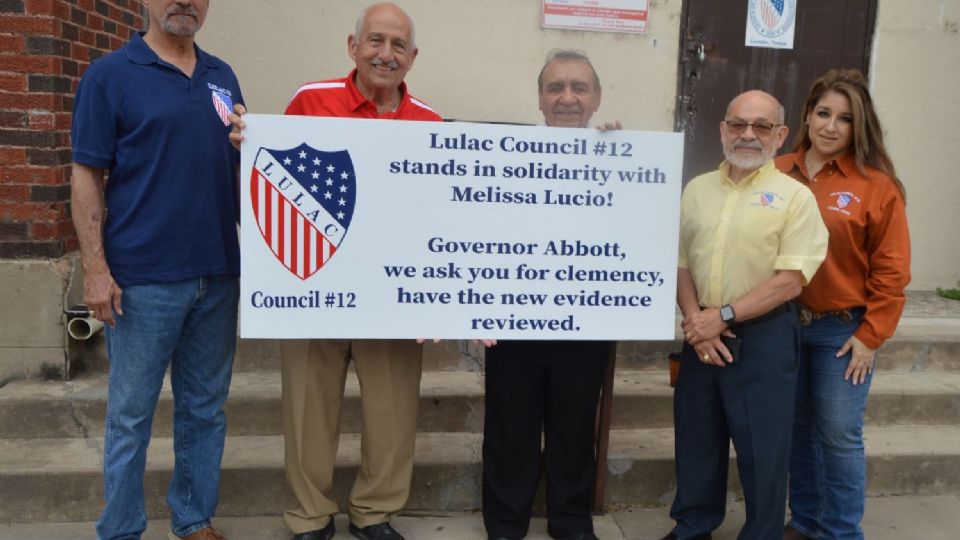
(770, 23)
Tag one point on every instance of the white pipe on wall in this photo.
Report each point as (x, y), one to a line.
(83, 328)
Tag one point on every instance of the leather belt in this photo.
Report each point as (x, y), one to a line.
(807, 316)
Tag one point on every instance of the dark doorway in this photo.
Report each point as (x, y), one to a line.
(715, 65)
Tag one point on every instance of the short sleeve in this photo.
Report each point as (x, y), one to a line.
(93, 134)
(803, 245)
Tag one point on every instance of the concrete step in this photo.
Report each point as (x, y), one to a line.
(920, 344)
(644, 399)
(453, 355)
(452, 526)
(57, 480)
(886, 518)
(264, 355)
(928, 337)
(449, 401)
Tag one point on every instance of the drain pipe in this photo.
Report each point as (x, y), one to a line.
(81, 325)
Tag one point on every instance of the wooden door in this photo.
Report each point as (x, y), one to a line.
(715, 64)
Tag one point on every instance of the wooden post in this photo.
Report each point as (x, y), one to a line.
(602, 434)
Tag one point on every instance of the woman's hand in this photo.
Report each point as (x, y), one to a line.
(861, 361)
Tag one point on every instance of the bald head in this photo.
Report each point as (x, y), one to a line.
(758, 99)
(752, 132)
(391, 10)
(383, 49)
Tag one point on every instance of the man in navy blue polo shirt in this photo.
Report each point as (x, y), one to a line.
(158, 244)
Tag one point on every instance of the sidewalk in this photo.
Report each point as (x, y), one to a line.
(888, 518)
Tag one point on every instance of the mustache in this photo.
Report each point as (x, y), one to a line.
(391, 64)
(752, 145)
(177, 10)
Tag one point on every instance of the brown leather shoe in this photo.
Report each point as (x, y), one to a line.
(789, 533)
(207, 533)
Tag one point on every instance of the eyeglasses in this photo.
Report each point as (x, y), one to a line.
(760, 129)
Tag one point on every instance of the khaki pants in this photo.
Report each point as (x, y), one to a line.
(313, 374)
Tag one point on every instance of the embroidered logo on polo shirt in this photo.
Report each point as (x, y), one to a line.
(223, 105)
(841, 200)
(303, 200)
(767, 199)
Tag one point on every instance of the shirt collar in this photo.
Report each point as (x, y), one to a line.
(357, 99)
(845, 163)
(139, 52)
(796, 162)
(764, 169)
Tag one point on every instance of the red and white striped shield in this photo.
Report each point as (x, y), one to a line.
(303, 200)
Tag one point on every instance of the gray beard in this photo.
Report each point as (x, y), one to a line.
(171, 27)
(746, 163)
(178, 30)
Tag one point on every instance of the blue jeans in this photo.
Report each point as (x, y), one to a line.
(192, 327)
(827, 464)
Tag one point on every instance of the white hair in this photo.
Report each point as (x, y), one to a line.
(358, 29)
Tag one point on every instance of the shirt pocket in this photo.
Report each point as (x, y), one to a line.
(758, 233)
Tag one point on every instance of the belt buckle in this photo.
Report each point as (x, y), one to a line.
(845, 315)
(806, 316)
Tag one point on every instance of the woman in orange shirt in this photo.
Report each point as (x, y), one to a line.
(852, 305)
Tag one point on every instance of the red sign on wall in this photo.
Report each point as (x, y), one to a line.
(627, 16)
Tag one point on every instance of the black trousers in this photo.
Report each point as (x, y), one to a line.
(750, 402)
(534, 387)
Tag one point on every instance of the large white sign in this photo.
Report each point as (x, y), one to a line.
(771, 23)
(389, 229)
(628, 16)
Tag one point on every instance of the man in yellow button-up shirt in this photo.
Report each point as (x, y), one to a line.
(750, 238)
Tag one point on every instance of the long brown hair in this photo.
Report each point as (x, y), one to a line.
(868, 147)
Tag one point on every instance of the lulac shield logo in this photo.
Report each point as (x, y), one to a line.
(303, 200)
(223, 105)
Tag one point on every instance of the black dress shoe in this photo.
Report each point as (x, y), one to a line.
(580, 536)
(325, 533)
(789, 533)
(380, 531)
(497, 538)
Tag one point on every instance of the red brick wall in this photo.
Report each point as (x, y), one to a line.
(45, 45)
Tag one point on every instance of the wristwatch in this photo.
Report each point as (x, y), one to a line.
(727, 315)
